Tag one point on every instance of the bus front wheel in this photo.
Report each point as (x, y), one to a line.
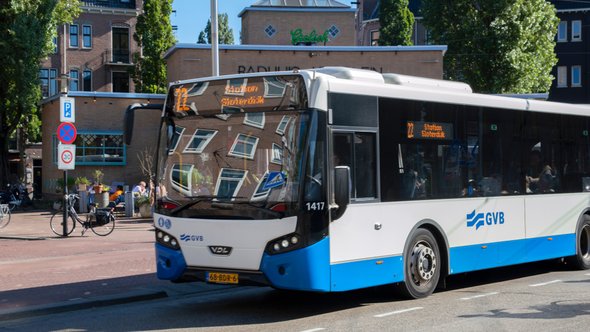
(422, 265)
(582, 258)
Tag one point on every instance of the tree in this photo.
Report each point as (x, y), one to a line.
(27, 28)
(225, 33)
(497, 46)
(153, 33)
(396, 22)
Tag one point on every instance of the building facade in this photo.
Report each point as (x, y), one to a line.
(94, 53)
(294, 22)
(571, 82)
(100, 140)
(187, 61)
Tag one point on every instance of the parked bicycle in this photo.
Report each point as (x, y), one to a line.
(15, 195)
(99, 221)
(4, 215)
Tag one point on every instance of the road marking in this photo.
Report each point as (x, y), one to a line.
(545, 283)
(478, 296)
(314, 330)
(588, 274)
(397, 312)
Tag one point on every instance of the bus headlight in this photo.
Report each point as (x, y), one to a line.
(166, 240)
(284, 244)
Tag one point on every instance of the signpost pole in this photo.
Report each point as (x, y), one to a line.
(65, 205)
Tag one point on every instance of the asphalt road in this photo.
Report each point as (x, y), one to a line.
(541, 296)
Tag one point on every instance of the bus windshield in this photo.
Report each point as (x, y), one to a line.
(229, 143)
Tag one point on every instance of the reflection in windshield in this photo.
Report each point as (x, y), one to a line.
(245, 157)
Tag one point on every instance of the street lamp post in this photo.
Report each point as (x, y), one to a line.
(214, 40)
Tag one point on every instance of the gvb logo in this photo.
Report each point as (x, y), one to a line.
(481, 219)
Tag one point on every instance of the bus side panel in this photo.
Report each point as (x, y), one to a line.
(554, 214)
(367, 273)
(303, 269)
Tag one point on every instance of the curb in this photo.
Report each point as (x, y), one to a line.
(99, 301)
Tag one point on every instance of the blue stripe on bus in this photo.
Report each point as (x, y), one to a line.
(170, 263)
(367, 273)
(303, 269)
(497, 254)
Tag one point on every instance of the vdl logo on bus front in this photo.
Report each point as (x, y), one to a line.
(488, 218)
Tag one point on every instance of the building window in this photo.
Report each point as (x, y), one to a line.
(270, 31)
(178, 130)
(86, 36)
(277, 154)
(200, 140)
(229, 182)
(244, 146)
(375, 38)
(74, 80)
(274, 87)
(74, 35)
(121, 45)
(98, 148)
(180, 178)
(87, 80)
(255, 120)
(576, 30)
(333, 31)
(562, 77)
(282, 125)
(576, 76)
(52, 82)
(120, 81)
(55, 49)
(44, 81)
(562, 31)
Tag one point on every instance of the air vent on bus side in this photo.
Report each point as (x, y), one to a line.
(426, 83)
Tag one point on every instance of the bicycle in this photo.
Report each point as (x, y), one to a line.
(100, 221)
(4, 215)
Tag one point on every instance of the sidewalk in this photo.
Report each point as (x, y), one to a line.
(42, 273)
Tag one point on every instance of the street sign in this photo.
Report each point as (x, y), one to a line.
(67, 109)
(66, 156)
(67, 133)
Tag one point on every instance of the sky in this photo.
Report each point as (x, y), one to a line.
(192, 15)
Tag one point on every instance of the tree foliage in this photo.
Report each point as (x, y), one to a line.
(225, 33)
(153, 33)
(27, 28)
(497, 46)
(396, 22)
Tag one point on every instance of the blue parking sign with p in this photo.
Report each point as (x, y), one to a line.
(67, 109)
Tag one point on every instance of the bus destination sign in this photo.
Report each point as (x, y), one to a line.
(430, 130)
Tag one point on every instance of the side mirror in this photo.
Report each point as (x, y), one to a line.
(341, 190)
(130, 118)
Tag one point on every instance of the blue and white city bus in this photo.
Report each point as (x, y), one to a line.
(337, 179)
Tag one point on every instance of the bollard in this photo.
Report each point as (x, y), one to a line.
(129, 204)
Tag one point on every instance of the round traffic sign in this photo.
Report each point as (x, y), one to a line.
(67, 157)
(66, 133)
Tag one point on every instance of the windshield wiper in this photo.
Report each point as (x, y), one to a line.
(199, 199)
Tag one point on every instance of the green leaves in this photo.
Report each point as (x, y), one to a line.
(396, 22)
(154, 34)
(225, 33)
(497, 46)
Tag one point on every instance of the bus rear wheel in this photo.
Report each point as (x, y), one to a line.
(582, 258)
(422, 265)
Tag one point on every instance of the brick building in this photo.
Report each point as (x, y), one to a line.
(95, 51)
(187, 61)
(100, 141)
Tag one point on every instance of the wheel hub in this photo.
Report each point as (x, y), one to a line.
(425, 262)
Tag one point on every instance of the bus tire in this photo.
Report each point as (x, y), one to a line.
(582, 258)
(422, 265)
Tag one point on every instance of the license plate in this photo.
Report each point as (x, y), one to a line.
(222, 278)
